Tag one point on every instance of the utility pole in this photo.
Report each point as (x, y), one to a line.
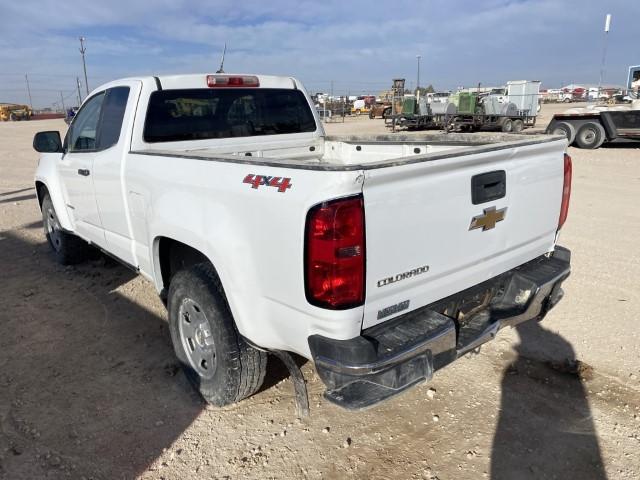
(26, 77)
(607, 25)
(418, 80)
(79, 95)
(84, 65)
(64, 110)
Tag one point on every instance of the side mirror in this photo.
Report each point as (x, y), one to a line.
(47, 142)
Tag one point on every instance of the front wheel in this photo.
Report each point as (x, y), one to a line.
(67, 248)
(216, 360)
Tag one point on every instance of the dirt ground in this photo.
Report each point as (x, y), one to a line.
(89, 387)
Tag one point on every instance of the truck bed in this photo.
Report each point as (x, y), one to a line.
(360, 152)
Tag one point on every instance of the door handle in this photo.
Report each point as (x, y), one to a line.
(84, 172)
(488, 186)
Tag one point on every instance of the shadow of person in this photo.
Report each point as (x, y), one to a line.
(88, 382)
(545, 429)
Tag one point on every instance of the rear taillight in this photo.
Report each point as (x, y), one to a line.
(232, 81)
(335, 254)
(566, 191)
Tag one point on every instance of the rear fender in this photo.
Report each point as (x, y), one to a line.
(220, 247)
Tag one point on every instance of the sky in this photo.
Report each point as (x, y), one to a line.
(356, 46)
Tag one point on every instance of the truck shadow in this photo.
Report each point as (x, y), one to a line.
(88, 382)
(621, 144)
(19, 198)
(545, 428)
(13, 192)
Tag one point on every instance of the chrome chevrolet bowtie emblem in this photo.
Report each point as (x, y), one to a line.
(488, 219)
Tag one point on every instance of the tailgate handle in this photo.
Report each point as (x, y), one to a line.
(489, 186)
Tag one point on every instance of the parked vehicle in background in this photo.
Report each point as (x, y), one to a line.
(14, 112)
(380, 109)
(363, 104)
(69, 114)
(380, 258)
(592, 126)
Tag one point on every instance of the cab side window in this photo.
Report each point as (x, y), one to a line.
(84, 130)
(113, 107)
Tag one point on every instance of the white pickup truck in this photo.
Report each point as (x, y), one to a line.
(380, 258)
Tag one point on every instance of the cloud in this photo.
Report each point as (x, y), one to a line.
(358, 45)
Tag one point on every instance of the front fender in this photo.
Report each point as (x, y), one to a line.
(47, 175)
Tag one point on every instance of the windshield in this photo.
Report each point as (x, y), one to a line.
(195, 114)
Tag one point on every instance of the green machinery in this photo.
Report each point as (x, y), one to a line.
(468, 103)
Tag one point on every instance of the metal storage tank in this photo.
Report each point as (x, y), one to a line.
(438, 108)
(524, 93)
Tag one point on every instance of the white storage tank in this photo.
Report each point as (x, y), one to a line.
(438, 108)
(524, 94)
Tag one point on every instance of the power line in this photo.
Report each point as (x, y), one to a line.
(53, 75)
(33, 89)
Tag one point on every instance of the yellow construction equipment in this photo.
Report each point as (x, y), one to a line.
(14, 112)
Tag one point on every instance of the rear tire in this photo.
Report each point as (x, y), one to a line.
(507, 125)
(567, 129)
(216, 360)
(590, 135)
(518, 126)
(67, 248)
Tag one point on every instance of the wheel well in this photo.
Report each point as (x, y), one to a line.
(41, 189)
(175, 256)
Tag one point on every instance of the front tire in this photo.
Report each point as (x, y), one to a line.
(216, 360)
(67, 248)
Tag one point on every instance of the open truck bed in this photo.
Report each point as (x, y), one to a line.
(356, 152)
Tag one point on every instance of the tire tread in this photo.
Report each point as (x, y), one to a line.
(247, 365)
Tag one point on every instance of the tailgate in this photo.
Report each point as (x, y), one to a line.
(420, 244)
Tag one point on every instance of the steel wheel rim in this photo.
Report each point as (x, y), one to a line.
(561, 131)
(589, 136)
(196, 337)
(53, 230)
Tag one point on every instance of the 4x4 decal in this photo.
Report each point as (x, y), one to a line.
(282, 184)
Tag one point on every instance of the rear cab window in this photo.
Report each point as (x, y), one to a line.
(197, 114)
